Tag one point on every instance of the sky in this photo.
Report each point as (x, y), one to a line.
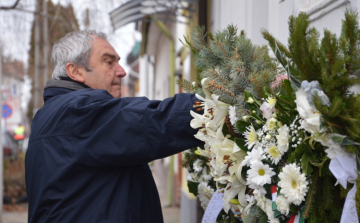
(15, 28)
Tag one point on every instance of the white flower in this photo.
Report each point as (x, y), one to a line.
(273, 153)
(270, 213)
(271, 101)
(251, 137)
(205, 193)
(310, 116)
(255, 155)
(271, 123)
(246, 118)
(260, 174)
(192, 177)
(250, 100)
(251, 201)
(233, 188)
(203, 179)
(232, 115)
(282, 205)
(293, 184)
(260, 199)
(197, 165)
(267, 110)
(283, 139)
(206, 174)
(261, 190)
(268, 137)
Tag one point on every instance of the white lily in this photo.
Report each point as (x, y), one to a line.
(233, 188)
(310, 116)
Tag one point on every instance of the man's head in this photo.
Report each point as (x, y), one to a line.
(87, 57)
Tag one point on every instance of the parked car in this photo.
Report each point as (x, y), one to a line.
(9, 145)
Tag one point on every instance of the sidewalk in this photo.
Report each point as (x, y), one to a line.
(171, 214)
(16, 216)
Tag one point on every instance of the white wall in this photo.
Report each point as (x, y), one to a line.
(254, 15)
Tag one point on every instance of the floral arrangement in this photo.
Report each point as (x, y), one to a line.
(286, 153)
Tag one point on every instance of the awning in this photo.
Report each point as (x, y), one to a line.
(136, 10)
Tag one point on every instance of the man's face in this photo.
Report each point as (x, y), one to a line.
(106, 71)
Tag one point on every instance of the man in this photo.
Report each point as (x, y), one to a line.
(88, 150)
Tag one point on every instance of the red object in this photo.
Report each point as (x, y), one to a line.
(273, 189)
(292, 219)
(19, 137)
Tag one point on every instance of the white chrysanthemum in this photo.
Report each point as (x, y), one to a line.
(293, 184)
(273, 153)
(206, 174)
(232, 115)
(283, 138)
(205, 193)
(255, 155)
(251, 137)
(260, 174)
(203, 179)
(192, 177)
(198, 165)
(282, 205)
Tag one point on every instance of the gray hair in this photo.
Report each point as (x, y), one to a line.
(75, 47)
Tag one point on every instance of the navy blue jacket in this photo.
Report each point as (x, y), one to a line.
(88, 154)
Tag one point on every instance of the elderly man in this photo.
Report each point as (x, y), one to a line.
(89, 149)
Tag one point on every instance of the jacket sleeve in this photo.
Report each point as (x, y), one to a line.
(131, 131)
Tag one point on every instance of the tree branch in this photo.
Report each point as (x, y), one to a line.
(10, 7)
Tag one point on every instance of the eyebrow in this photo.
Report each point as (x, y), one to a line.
(111, 56)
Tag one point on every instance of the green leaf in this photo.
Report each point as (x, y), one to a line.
(241, 144)
(242, 125)
(299, 151)
(306, 166)
(349, 142)
(338, 139)
(278, 55)
(293, 209)
(357, 161)
(193, 187)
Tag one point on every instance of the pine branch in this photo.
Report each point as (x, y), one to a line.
(310, 196)
(186, 85)
(188, 161)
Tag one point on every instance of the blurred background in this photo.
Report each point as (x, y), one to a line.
(146, 34)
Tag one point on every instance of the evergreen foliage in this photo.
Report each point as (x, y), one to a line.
(334, 62)
(331, 61)
(228, 65)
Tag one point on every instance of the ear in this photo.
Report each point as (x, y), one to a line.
(75, 72)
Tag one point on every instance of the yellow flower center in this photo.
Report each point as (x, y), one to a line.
(272, 123)
(274, 152)
(294, 184)
(261, 172)
(272, 101)
(252, 137)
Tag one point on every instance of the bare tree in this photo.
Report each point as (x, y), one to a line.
(10, 7)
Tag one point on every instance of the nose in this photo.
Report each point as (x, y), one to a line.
(120, 72)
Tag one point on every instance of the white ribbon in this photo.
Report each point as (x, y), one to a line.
(344, 170)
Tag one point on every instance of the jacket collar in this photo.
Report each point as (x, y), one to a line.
(66, 82)
(62, 86)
